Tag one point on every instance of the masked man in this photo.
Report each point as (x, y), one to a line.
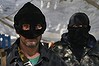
(79, 48)
(30, 24)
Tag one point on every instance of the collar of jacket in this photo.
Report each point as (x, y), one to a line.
(91, 42)
(14, 55)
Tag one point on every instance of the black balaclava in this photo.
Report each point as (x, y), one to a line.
(32, 15)
(78, 35)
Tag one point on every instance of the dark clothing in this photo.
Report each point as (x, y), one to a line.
(79, 55)
(47, 57)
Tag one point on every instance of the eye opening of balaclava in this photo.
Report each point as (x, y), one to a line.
(78, 28)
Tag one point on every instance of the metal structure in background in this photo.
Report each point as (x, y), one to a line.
(43, 3)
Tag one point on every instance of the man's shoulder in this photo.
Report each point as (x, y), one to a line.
(56, 59)
(10, 49)
(50, 52)
(95, 46)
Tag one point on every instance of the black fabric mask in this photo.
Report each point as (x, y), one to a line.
(31, 15)
(30, 34)
(78, 35)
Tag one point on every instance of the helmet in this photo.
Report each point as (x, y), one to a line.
(32, 16)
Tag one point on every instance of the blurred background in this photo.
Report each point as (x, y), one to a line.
(57, 13)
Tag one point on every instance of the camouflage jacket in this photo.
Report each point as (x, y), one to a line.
(90, 55)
